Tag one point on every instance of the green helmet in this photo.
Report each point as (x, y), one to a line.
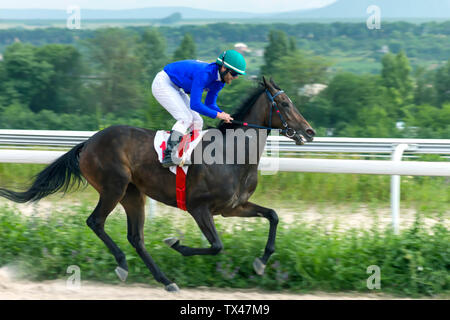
(233, 60)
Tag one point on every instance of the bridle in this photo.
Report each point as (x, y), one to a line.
(289, 132)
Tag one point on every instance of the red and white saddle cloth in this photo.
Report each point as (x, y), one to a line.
(185, 149)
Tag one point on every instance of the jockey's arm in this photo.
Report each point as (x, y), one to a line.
(196, 98)
(211, 97)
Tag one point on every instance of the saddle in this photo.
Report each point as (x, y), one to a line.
(184, 152)
(185, 147)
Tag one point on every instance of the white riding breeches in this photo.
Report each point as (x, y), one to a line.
(177, 103)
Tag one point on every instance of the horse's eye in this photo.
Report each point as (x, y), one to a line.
(285, 104)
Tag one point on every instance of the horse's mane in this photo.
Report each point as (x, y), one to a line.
(241, 111)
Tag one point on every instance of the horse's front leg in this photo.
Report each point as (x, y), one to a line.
(205, 221)
(253, 210)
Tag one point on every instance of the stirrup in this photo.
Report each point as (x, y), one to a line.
(171, 144)
(167, 161)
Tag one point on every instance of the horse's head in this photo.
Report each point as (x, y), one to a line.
(282, 114)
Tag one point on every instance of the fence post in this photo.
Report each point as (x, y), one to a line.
(395, 187)
(152, 207)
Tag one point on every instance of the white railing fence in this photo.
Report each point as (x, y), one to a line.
(322, 146)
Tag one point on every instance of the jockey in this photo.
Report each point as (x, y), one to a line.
(172, 85)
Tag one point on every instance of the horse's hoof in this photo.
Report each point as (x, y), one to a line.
(170, 241)
(121, 273)
(172, 287)
(259, 266)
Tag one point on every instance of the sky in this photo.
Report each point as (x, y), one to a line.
(259, 6)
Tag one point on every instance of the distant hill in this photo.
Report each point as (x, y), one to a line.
(341, 9)
(141, 13)
(389, 9)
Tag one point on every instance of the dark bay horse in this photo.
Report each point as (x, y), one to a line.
(120, 162)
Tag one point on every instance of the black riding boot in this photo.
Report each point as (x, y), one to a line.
(174, 139)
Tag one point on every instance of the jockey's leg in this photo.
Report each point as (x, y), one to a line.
(197, 121)
(176, 102)
(172, 99)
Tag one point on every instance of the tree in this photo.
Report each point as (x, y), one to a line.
(292, 44)
(232, 95)
(318, 112)
(277, 48)
(116, 70)
(442, 84)
(152, 53)
(424, 91)
(295, 70)
(430, 121)
(186, 50)
(371, 121)
(64, 92)
(396, 77)
(27, 76)
(352, 96)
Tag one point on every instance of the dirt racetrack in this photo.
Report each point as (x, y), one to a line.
(12, 288)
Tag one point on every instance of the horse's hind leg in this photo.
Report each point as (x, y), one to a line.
(96, 221)
(134, 205)
(205, 221)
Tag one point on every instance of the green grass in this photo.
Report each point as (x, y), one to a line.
(429, 194)
(308, 257)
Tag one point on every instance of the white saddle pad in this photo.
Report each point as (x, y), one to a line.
(161, 138)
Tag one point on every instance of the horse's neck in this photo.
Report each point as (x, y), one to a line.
(258, 113)
(257, 116)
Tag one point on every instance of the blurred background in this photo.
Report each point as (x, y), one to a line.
(352, 70)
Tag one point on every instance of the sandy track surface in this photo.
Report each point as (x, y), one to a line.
(12, 288)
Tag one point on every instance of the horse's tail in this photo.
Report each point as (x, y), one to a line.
(60, 175)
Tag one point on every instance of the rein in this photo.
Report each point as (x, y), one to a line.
(274, 105)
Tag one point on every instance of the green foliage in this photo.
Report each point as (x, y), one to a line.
(186, 50)
(424, 91)
(64, 92)
(26, 74)
(356, 98)
(429, 121)
(152, 52)
(442, 84)
(396, 77)
(232, 95)
(297, 69)
(413, 263)
(17, 116)
(277, 48)
(114, 60)
(156, 117)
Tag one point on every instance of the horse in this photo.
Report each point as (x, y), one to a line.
(120, 162)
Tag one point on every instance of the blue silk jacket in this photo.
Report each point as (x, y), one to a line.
(195, 77)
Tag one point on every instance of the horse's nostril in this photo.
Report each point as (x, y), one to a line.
(310, 132)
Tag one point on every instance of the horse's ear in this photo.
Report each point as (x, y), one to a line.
(272, 82)
(264, 82)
